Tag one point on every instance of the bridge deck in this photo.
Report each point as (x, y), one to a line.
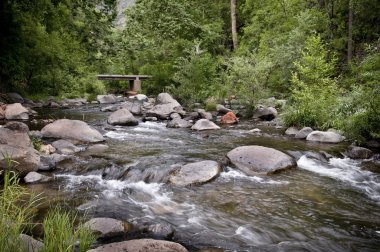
(122, 77)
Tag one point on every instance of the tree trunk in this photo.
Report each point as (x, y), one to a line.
(349, 40)
(233, 24)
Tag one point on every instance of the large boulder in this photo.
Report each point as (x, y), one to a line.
(16, 145)
(106, 227)
(16, 111)
(256, 159)
(72, 130)
(103, 99)
(356, 152)
(179, 123)
(204, 124)
(196, 173)
(304, 132)
(325, 137)
(164, 106)
(265, 113)
(141, 245)
(49, 162)
(122, 117)
(229, 118)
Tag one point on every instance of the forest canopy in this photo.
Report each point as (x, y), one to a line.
(323, 56)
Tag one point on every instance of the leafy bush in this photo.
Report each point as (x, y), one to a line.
(314, 90)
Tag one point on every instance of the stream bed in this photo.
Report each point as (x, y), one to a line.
(317, 206)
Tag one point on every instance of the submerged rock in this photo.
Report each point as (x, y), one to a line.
(204, 124)
(179, 123)
(141, 245)
(355, 152)
(122, 117)
(72, 130)
(325, 137)
(196, 173)
(106, 227)
(256, 159)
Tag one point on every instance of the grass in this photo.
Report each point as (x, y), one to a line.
(18, 208)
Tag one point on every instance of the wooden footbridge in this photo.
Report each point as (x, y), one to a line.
(134, 80)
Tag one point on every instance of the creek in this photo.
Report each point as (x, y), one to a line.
(317, 206)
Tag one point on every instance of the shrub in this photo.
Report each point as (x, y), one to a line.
(314, 90)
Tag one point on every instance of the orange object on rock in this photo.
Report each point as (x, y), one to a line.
(229, 118)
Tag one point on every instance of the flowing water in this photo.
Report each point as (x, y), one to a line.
(318, 206)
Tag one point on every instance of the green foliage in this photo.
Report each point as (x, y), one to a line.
(210, 104)
(314, 91)
(37, 143)
(197, 78)
(61, 235)
(16, 210)
(358, 111)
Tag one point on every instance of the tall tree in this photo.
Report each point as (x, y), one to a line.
(233, 24)
(349, 40)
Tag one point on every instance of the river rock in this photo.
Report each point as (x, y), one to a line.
(255, 159)
(72, 130)
(35, 177)
(49, 162)
(106, 227)
(229, 118)
(204, 124)
(179, 123)
(75, 102)
(204, 114)
(175, 116)
(122, 117)
(325, 137)
(291, 131)
(133, 107)
(53, 104)
(255, 131)
(304, 132)
(2, 111)
(192, 116)
(265, 113)
(47, 149)
(15, 98)
(30, 244)
(164, 106)
(222, 110)
(65, 147)
(356, 152)
(161, 230)
(97, 148)
(17, 146)
(196, 173)
(17, 126)
(16, 111)
(140, 97)
(141, 245)
(103, 99)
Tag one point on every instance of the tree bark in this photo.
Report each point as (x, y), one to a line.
(349, 40)
(233, 24)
